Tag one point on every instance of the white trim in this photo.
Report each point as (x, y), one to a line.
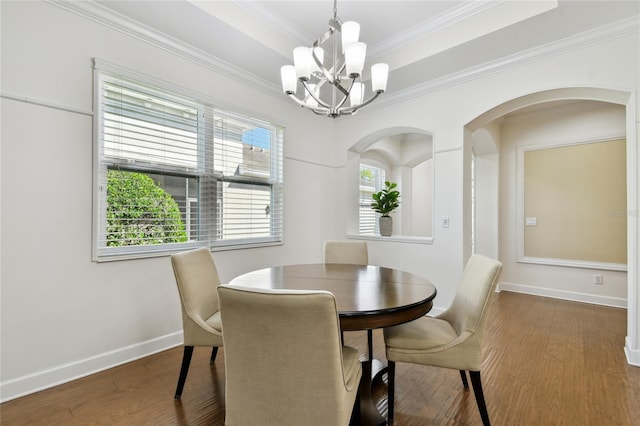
(611, 31)
(132, 28)
(20, 386)
(445, 150)
(633, 233)
(432, 26)
(574, 263)
(573, 296)
(46, 104)
(392, 238)
(633, 355)
(435, 311)
(520, 219)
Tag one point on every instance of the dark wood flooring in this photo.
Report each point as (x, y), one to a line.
(547, 362)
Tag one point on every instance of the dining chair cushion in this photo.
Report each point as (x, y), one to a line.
(214, 322)
(454, 338)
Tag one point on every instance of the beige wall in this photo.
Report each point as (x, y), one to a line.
(577, 194)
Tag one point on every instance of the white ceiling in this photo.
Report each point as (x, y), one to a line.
(421, 40)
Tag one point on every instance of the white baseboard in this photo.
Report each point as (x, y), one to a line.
(633, 355)
(41, 380)
(435, 311)
(573, 296)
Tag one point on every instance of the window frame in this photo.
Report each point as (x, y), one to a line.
(205, 146)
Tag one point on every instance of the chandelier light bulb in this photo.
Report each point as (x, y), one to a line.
(357, 94)
(289, 81)
(350, 34)
(354, 57)
(302, 62)
(379, 75)
(319, 52)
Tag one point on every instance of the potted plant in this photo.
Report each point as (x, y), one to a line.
(385, 202)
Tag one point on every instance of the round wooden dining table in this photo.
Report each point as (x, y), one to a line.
(367, 297)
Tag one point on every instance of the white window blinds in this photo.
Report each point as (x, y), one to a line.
(173, 173)
(371, 180)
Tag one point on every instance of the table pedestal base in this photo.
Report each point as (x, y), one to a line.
(369, 415)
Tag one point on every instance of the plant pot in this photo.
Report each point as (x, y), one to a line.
(386, 225)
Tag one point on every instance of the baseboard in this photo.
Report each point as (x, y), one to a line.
(573, 296)
(58, 375)
(633, 355)
(435, 311)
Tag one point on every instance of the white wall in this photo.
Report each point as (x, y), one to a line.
(487, 230)
(611, 64)
(559, 125)
(64, 316)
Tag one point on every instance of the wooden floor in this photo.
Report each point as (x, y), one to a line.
(547, 362)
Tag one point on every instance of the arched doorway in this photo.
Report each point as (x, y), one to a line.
(483, 134)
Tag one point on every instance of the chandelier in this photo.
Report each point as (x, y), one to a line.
(328, 84)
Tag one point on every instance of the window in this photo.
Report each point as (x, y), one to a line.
(371, 181)
(173, 172)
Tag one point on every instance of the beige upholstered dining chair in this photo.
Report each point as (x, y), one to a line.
(454, 338)
(353, 253)
(197, 279)
(285, 364)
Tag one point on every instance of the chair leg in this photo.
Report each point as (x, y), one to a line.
(391, 384)
(463, 374)
(214, 352)
(477, 390)
(355, 413)
(186, 360)
(370, 342)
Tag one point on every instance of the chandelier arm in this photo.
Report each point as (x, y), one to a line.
(335, 24)
(320, 111)
(351, 110)
(342, 89)
(345, 92)
(310, 92)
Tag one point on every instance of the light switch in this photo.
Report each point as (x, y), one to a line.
(531, 221)
(445, 221)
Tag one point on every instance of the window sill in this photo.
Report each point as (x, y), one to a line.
(393, 238)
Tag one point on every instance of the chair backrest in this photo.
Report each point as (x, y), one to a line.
(283, 357)
(467, 313)
(197, 279)
(351, 252)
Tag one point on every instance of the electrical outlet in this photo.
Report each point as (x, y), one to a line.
(445, 221)
(597, 279)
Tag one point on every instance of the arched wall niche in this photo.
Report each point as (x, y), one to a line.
(406, 156)
(482, 139)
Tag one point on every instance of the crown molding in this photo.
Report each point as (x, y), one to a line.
(276, 21)
(432, 26)
(130, 27)
(104, 16)
(596, 36)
